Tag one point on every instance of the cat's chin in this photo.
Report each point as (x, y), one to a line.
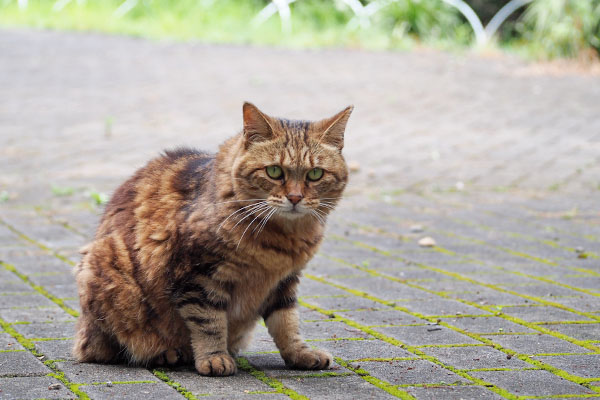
(293, 214)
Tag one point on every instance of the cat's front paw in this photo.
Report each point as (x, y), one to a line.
(307, 358)
(219, 364)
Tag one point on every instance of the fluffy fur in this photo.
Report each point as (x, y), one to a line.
(194, 248)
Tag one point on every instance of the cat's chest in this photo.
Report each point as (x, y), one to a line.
(252, 292)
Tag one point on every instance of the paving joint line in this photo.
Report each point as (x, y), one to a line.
(413, 350)
(56, 372)
(523, 357)
(496, 312)
(547, 242)
(470, 280)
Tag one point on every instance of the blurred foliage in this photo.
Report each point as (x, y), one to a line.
(562, 27)
(546, 28)
(426, 19)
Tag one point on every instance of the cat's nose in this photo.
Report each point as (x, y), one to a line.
(295, 198)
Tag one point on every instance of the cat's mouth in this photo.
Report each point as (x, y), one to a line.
(294, 212)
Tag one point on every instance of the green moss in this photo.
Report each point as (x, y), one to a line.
(35, 242)
(322, 375)
(245, 365)
(391, 389)
(116, 383)
(381, 359)
(160, 374)
(398, 343)
(484, 340)
(56, 373)
(40, 289)
(336, 339)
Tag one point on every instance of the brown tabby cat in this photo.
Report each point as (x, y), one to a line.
(195, 248)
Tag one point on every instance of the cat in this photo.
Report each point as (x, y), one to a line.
(195, 248)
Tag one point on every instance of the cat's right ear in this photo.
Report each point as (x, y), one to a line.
(257, 125)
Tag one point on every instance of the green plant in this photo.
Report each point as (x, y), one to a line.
(99, 198)
(423, 19)
(562, 27)
(62, 190)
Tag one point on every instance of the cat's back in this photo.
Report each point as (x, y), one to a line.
(157, 192)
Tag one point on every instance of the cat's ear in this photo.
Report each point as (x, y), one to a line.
(331, 130)
(257, 125)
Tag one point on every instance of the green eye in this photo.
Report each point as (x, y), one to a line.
(315, 174)
(274, 172)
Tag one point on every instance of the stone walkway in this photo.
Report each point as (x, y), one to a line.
(498, 163)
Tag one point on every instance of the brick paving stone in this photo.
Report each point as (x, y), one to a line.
(435, 392)
(321, 388)
(21, 363)
(536, 344)
(532, 383)
(50, 313)
(485, 296)
(33, 388)
(441, 306)
(488, 325)
(7, 342)
(426, 335)
(577, 331)
(47, 330)
(198, 385)
(309, 287)
(411, 372)
(543, 313)
(474, 357)
(249, 396)
(273, 366)
(585, 366)
(347, 302)
(10, 283)
(583, 303)
(55, 349)
(33, 260)
(25, 299)
(358, 349)
(150, 391)
(98, 373)
(330, 330)
(381, 317)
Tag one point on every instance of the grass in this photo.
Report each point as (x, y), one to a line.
(315, 23)
(547, 29)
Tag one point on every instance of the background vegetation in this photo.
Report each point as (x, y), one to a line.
(542, 29)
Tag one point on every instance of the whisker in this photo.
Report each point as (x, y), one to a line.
(326, 206)
(263, 222)
(266, 219)
(250, 224)
(236, 201)
(241, 210)
(250, 213)
(321, 214)
(317, 216)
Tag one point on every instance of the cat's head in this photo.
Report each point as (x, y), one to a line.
(296, 167)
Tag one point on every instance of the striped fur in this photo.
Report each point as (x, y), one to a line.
(194, 248)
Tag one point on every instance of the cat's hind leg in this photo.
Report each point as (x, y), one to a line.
(94, 345)
(174, 357)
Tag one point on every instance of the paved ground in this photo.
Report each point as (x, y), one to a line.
(498, 163)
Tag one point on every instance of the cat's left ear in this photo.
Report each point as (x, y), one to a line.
(331, 130)
(257, 125)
